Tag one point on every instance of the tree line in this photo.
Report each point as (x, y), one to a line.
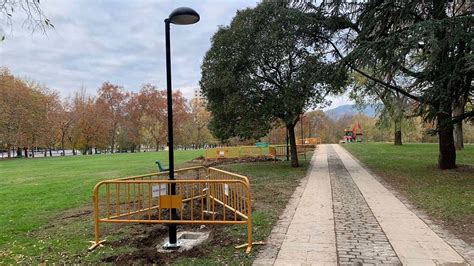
(375, 129)
(33, 116)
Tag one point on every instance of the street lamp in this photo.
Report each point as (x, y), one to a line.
(287, 145)
(302, 132)
(179, 16)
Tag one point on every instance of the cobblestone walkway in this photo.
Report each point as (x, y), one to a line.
(340, 214)
(359, 236)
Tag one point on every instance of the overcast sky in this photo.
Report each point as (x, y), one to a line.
(118, 41)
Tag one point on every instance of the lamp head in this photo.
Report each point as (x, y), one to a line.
(183, 16)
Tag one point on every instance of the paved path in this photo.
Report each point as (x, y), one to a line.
(342, 215)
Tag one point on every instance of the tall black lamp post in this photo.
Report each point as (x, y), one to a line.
(302, 132)
(179, 16)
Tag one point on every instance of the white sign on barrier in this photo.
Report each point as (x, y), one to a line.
(157, 191)
(226, 189)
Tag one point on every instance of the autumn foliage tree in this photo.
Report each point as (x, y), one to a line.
(153, 119)
(28, 114)
(199, 118)
(33, 117)
(111, 102)
(90, 129)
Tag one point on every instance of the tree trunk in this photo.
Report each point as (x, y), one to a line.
(62, 145)
(25, 150)
(398, 132)
(50, 152)
(112, 145)
(18, 152)
(458, 132)
(447, 151)
(287, 145)
(45, 152)
(293, 151)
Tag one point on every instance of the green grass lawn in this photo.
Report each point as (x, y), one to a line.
(34, 191)
(445, 194)
(47, 212)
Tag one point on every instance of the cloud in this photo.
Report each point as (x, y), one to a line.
(117, 41)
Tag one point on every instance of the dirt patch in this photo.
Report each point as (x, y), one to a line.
(76, 213)
(462, 227)
(147, 240)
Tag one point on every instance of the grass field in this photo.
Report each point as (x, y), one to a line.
(46, 208)
(34, 191)
(447, 195)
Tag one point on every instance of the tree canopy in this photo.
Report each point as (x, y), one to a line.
(426, 42)
(264, 69)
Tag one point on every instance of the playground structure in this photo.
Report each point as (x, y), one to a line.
(203, 196)
(354, 135)
(238, 152)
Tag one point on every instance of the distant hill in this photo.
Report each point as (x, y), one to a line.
(348, 109)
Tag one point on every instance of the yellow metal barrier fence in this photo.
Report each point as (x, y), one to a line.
(316, 140)
(236, 152)
(203, 196)
(280, 150)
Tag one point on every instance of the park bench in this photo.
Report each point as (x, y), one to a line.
(161, 167)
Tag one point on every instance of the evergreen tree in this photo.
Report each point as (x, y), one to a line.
(427, 42)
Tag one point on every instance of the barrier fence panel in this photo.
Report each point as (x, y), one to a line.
(280, 150)
(316, 140)
(236, 152)
(224, 152)
(272, 151)
(213, 197)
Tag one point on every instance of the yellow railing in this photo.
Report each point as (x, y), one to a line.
(273, 151)
(316, 140)
(280, 150)
(202, 196)
(236, 152)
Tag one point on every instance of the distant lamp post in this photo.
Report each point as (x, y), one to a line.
(179, 16)
(287, 145)
(302, 132)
